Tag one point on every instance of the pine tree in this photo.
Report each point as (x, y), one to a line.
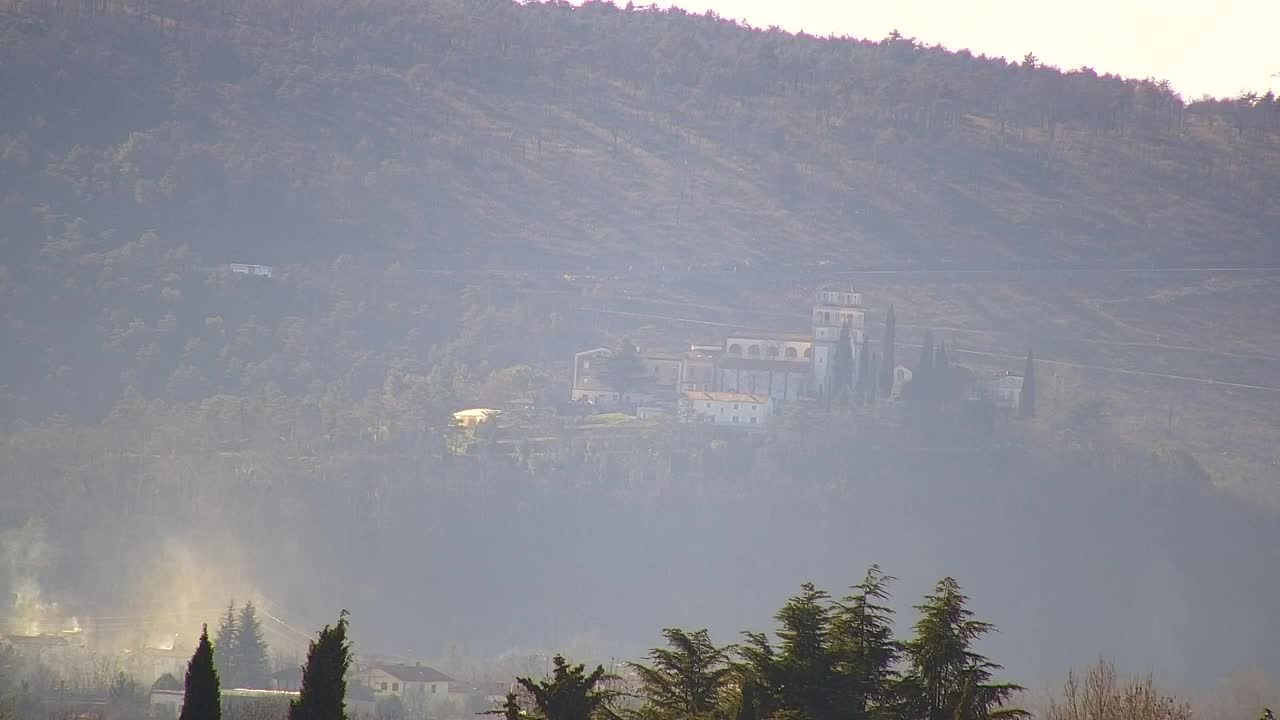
(569, 694)
(804, 664)
(1027, 398)
(511, 708)
(863, 649)
(324, 685)
(225, 645)
(201, 699)
(251, 663)
(946, 679)
(748, 704)
(685, 680)
(888, 356)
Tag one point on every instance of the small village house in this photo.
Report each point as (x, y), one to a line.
(744, 410)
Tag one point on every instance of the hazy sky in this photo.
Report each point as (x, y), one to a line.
(1203, 46)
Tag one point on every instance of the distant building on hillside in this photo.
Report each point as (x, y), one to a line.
(744, 410)
(244, 269)
(778, 365)
(1004, 390)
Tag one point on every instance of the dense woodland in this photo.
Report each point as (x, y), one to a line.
(439, 185)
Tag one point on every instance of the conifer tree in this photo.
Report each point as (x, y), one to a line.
(842, 365)
(865, 387)
(569, 694)
(686, 680)
(1027, 398)
(250, 650)
(511, 708)
(201, 698)
(887, 355)
(225, 646)
(946, 678)
(804, 663)
(940, 375)
(324, 684)
(864, 652)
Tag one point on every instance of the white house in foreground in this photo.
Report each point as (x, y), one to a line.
(745, 410)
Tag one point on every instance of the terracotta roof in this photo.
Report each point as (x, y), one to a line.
(734, 362)
(414, 673)
(727, 397)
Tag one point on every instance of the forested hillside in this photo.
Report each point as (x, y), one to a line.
(455, 195)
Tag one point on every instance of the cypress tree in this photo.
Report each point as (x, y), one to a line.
(940, 376)
(1027, 398)
(201, 698)
(250, 650)
(842, 365)
(225, 645)
(865, 388)
(324, 684)
(887, 355)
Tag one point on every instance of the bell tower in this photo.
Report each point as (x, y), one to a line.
(833, 308)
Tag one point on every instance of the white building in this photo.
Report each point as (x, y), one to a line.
(419, 687)
(245, 269)
(832, 310)
(1004, 391)
(745, 410)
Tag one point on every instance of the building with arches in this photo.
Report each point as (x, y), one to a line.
(781, 366)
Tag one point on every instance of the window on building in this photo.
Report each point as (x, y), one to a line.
(808, 352)
(790, 354)
(772, 351)
(434, 688)
(753, 350)
(382, 687)
(395, 687)
(586, 379)
(735, 349)
(735, 418)
(735, 406)
(708, 405)
(826, 317)
(586, 364)
(753, 421)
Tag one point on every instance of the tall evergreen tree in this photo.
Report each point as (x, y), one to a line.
(250, 650)
(686, 680)
(940, 375)
(624, 371)
(324, 684)
(863, 650)
(201, 698)
(946, 679)
(804, 663)
(841, 370)
(926, 355)
(887, 355)
(1027, 398)
(569, 694)
(865, 387)
(225, 646)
